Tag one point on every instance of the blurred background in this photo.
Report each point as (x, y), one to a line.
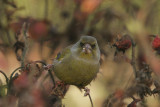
(55, 24)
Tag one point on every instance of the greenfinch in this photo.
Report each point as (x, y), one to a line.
(78, 64)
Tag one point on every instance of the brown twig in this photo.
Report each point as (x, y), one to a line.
(49, 71)
(90, 100)
(87, 93)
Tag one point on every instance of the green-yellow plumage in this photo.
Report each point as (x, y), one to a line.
(78, 64)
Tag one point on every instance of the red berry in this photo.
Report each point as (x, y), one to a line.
(38, 29)
(21, 82)
(123, 43)
(156, 43)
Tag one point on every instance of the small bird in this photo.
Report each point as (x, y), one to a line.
(78, 64)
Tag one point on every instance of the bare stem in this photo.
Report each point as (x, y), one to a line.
(90, 100)
(49, 71)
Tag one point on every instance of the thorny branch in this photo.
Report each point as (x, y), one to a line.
(49, 71)
(142, 84)
(110, 14)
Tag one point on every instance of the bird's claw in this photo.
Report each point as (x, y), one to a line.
(87, 91)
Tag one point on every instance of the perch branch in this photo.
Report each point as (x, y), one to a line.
(90, 100)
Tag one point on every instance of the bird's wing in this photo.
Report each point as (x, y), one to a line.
(63, 53)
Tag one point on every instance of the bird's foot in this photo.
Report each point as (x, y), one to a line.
(87, 91)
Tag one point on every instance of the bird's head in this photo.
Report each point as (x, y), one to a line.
(87, 48)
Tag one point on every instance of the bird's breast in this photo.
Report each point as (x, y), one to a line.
(77, 71)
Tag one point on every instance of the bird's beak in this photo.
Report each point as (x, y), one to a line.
(87, 48)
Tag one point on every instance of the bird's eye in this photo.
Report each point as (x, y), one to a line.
(93, 46)
(81, 44)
